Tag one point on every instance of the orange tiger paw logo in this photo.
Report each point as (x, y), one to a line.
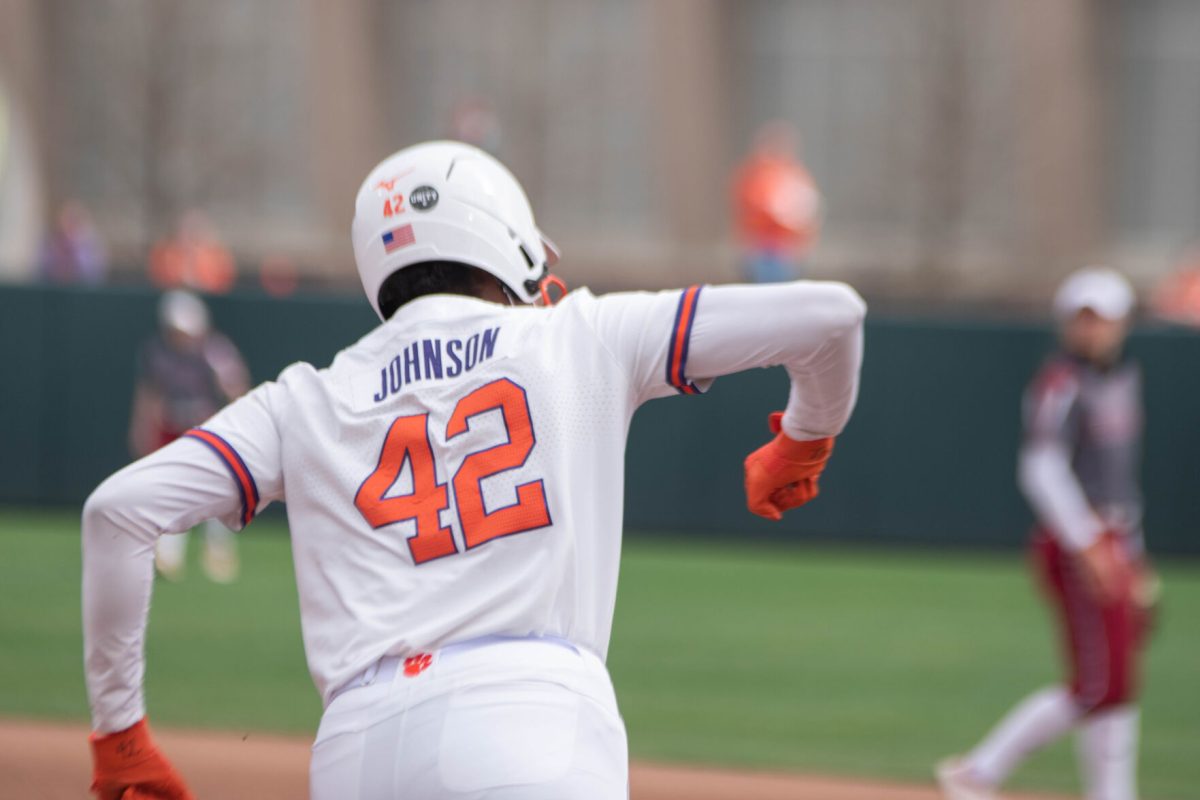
(415, 665)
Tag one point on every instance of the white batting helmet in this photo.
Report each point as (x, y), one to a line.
(447, 201)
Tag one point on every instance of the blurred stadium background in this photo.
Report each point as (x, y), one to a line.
(969, 154)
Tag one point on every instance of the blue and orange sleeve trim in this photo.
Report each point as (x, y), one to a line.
(247, 488)
(681, 334)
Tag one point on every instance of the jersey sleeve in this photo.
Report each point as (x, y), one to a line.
(678, 342)
(1049, 405)
(649, 335)
(244, 437)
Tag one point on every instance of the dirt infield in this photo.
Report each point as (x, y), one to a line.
(49, 761)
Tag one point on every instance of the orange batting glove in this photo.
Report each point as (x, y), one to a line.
(127, 765)
(782, 474)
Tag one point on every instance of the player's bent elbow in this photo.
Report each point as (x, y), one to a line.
(105, 503)
(856, 306)
(843, 307)
(95, 509)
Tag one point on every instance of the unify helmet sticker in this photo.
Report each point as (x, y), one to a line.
(423, 198)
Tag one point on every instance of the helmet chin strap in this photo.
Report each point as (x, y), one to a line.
(542, 286)
(548, 282)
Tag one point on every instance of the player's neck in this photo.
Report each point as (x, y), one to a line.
(493, 292)
(1099, 363)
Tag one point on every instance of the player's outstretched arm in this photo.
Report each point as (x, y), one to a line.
(216, 471)
(678, 341)
(203, 475)
(812, 329)
(166, 492)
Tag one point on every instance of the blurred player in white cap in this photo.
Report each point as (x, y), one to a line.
(185, 374)
(1078, 470)
(454, 486)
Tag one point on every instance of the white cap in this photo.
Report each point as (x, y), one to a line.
(447, 201)
(184, 312)
(1103, 290)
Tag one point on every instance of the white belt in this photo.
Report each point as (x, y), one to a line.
(385, 668)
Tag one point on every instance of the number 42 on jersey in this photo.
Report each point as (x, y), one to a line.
(408, 441)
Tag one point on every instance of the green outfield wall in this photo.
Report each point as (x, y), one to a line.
(929, 456)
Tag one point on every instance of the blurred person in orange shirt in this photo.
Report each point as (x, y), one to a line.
(193, 258)
(777, 207)
(74, 252)
(1177, 295)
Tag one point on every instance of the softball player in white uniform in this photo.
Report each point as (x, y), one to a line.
(454, 493)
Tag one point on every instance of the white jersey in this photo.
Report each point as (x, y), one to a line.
(456, 473)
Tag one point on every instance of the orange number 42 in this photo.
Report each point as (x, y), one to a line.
(408, 441)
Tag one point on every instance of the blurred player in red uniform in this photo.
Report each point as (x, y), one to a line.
(1078, 470)
(777, 207)
(186, 373)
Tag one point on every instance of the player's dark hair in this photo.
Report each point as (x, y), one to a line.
(429, 277)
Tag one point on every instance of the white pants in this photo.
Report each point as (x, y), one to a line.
(487, 720)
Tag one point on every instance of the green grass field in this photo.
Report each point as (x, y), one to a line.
(861, 662)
